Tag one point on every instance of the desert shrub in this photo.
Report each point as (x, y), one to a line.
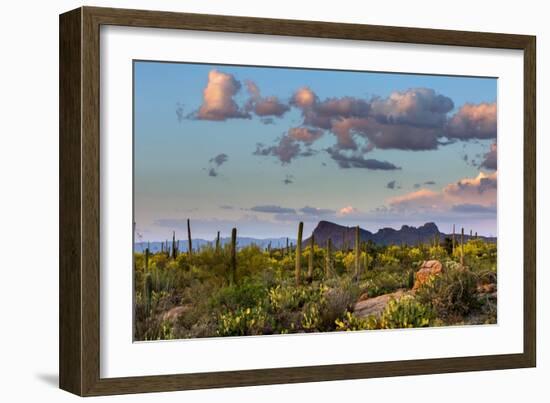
(311, 317)
(451, 294)
(246, 294)
(415, 254)
(387, 259)
(405, 312)
(289, 297)
(351, 322)
(384, 282)
(437, 252)
(242, 322)
(251, 260)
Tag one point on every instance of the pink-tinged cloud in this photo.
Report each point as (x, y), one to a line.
(420, 199)
(218, 103)
(474, 121)
(304, 98)
(420, 107)
(480, 191)
(264, 106)
(348, 210)
(344, 130)
(490, 158)
(304, 134)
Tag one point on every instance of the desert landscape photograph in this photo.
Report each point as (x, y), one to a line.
(278, 200)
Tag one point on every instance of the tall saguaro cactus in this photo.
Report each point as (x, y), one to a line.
(233, 261)
(174, 246)
(357, 253)
(190, 247)
(310, 260)
(454, 241)
(328, 260)
(218, 242)
(148, 292)
(147, 257)
(298, 270)
(344, 246)
(462, 248)
(287, 248)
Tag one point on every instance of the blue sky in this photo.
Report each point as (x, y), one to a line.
(262, 148)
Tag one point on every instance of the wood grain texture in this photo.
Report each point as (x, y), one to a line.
(70, 276)
(79, 200)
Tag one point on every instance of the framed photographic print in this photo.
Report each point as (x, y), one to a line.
(249, 201)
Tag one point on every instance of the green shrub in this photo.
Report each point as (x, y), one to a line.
(351, 322)
(383, 282)
(451, 294)
(246, 294)
(405, 312)
(242, 322)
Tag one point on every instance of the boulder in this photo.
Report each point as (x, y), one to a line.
(428, 269)
(375, 305)
(173, 314)
(363, 297)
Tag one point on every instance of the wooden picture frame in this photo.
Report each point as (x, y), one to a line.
(79, 349)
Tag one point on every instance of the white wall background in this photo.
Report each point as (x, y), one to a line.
(29, 199)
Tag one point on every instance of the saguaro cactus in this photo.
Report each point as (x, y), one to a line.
(190, 243)
(233, 261)
(174, 246)
(218, 242)
(328, 260)
(287, 248)
(148, 292)
(344, 246)
(454, 241)
(310, 260)
(357, 253)
(462, 247)
(298, 271)
(147, 257)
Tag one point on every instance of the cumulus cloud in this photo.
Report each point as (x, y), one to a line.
(272, 209)
(264, 106)
(305, 135)
(218, 102)
(304, 98)
(419, 107)
(288, 146)
(457, 196)
(356, 160)
(347, 210)
(212, 172)
(490, 158)
(479, 190)
(400, 136)
(473, 121)
(285, 150)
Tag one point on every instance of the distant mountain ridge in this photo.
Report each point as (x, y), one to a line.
(339, 234)
(198, 243)
(409, 235)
